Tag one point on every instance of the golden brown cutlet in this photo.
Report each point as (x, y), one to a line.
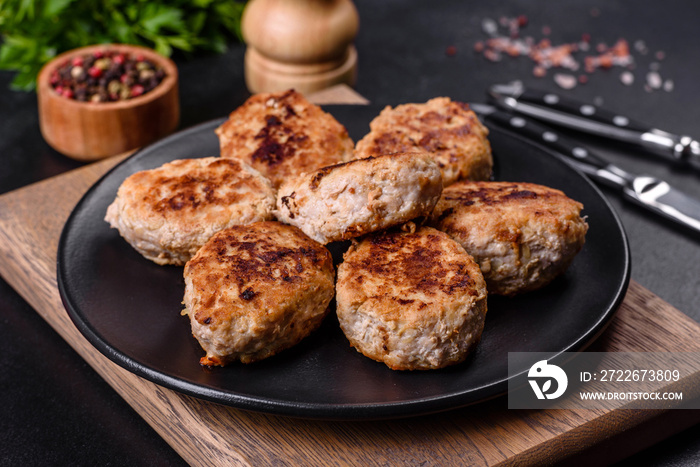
(522, 235)
(413, 299)
(450, 131)
(252, 291)
(169, 212)
(282, 135)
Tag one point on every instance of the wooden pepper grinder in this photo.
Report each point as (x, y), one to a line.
(300, 44)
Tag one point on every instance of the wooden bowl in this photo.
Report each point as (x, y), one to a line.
(90, 131)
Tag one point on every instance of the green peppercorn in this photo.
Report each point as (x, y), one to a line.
(106, 76)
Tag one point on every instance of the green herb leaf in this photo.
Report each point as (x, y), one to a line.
(154, 18)
(12, 53)
(25, 80)
(54, 7)
(34, 31)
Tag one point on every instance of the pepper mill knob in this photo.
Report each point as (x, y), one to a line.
(300, 44)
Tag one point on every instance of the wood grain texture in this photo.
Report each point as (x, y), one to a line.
(205, 433)
(300, 44)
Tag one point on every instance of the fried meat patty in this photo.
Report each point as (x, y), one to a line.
(414, 300)
(522, 235)
(253, 291)
(282, 135)
(167, 213)
(450, 131)
(353, 198)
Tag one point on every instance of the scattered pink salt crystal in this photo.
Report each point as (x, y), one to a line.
(627, 78)
(654, 80)
(565, 81)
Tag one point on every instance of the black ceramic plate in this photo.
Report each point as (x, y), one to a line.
(129, 308)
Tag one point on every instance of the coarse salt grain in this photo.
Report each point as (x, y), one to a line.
(489, 26)
(565, 81)
(627, 78)
(654, 80)
(563, 56)
(492, 56)
(641, 47)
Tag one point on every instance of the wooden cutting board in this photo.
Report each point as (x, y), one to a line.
(205, 433)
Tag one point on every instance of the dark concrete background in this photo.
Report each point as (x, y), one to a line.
(56, 410)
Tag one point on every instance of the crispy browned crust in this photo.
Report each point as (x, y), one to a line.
(262, 287)
(183, 188)
(167, 213)
(411, 270)
(282, 135)
(421, 291)
(518, 199)
(448, 130)
(526, 219)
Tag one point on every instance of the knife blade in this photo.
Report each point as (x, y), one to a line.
(648, 192)
(561, 111)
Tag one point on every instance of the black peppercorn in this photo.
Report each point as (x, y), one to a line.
(106, 76)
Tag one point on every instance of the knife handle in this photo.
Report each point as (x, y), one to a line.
(557, 110)
(581, 157)
(549, 138)
(613, 125)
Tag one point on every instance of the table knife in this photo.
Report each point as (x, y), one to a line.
(646, 191)
(562, 111)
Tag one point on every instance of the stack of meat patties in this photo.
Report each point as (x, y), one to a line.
(430, 235)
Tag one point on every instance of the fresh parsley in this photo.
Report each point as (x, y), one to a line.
(34, 31)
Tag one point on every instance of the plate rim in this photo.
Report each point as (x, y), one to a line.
(313, 410)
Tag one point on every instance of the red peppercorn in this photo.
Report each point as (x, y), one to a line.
(104, 76)
(522, 21)
(95, 72)
(136, 90)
